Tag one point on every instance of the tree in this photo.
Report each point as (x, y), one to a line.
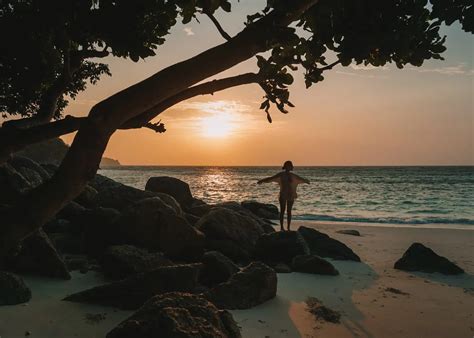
(311, 35)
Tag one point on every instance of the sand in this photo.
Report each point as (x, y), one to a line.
(433, 306)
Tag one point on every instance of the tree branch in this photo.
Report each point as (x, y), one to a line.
(216, 23)
(330, 66)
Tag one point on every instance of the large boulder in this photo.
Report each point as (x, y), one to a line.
(217, 268)
(322, 245)
(120, 261)
(12, 184)
(171, 186)
(230, 232)
(34, 173)
(237, 207)
(133, 291)
(253, 285)
(37, 255)
(263, 210)
(177, 315)
(119, 196)
(280, 247)
(13, 289)
(99, 230)
(420, 258)
(313, 264)
(153, 224)
(87, 197)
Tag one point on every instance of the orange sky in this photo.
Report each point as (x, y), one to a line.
(357, 116)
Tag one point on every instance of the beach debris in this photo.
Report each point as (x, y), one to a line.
(280, 247)
(217, 268)
(313, 264)
(178, 314)
(396, 291)
(13, 289)
(324, 246)
(421, 258)
(253, 285)
(95, 318)
(131, 293)
(349, 232)
(322, 312)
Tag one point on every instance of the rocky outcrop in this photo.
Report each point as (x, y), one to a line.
(313, 264)
(253, 285)
(171, 186)
(230, 232)
(119, 196)
(132, 292)
(322, 245)
(421, 258)
(120, 261)
(263, 210)
(177, 315)
(280, 247)
(217, 268)
(153, 224)
(13, 289)
(36, 255)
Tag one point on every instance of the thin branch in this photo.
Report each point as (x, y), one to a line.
(216, 23)
(330, 66)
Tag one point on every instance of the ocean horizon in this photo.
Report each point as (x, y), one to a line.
(425, 196)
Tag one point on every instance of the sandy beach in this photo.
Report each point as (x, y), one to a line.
(432, 305)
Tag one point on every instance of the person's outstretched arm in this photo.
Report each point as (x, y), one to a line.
(273, 178)
(302, 180)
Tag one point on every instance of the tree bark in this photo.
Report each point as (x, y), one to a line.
(84, 155)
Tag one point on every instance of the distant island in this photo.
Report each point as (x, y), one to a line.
(53, 151)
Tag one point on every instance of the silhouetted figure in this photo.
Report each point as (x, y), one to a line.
(288, 183)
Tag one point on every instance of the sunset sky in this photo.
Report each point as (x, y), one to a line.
(357, 116)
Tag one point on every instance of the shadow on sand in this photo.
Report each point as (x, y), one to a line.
(294, 288)
(464, 281)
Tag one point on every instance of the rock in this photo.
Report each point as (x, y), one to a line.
(253, 285)
(133, 291)
(12, 184)
(263, 210)
(119, 196)
(36, 255)
(67, 242)
(313, 264)
(34, 173)
(281, 268)
(58, 225)
(101, 182)
(230, 232)
(171, 186)
(349, 232)
(268, 228)
(120, 261)
(174, 315)
(191, 219)
(420, 258)
(77, 262)
(153, 224)
(199, 210)
(71, 212)
(280, 246)
(87, 198)
(237, 207)
(322, 245)
(13, 289)
(99, 229)
(217, 268)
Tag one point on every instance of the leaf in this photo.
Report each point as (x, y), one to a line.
(269, 118)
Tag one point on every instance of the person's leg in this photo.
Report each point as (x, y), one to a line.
(282, 212)
(290, 207)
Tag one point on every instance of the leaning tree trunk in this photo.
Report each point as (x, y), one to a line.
(83, 158)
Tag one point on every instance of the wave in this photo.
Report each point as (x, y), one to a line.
(386, 220)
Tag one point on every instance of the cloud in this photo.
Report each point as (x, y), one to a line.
(188, 31)
(459, 69)
(363, 75)
(368, 67)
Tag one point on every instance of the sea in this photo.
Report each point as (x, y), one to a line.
(393, 196)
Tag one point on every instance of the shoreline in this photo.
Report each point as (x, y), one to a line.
(435, 305)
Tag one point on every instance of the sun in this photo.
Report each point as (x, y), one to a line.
(217, 125)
